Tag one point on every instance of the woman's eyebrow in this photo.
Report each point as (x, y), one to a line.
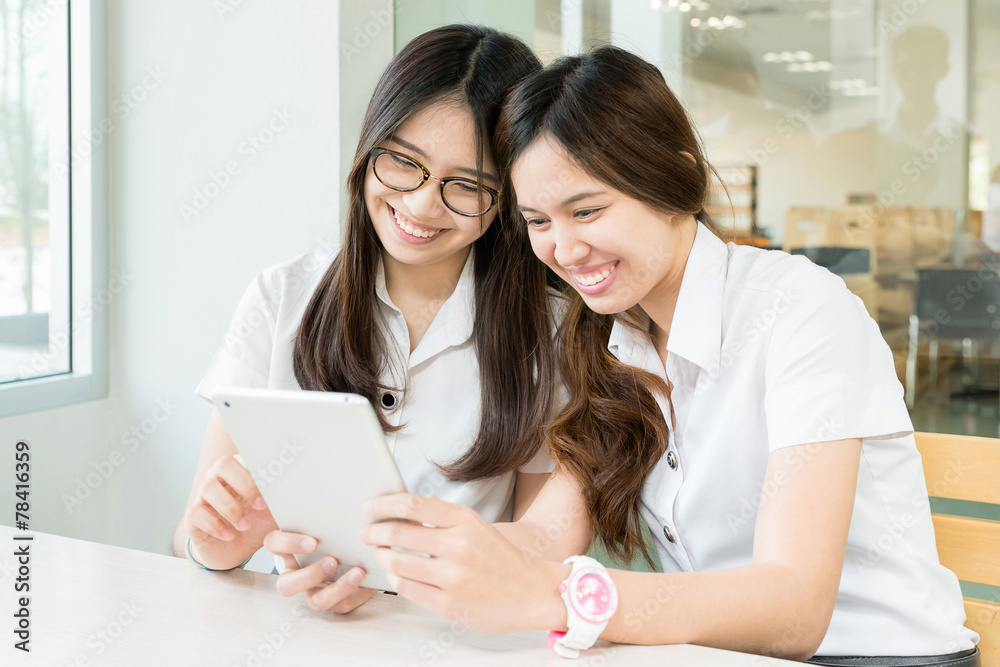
(571, 200)
(465, 170)
(410, 147)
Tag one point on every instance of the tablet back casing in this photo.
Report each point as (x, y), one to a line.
(317, 458)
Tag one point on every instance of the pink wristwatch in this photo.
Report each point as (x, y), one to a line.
(591, 600)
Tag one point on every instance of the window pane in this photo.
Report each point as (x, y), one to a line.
(34, 189)
(863, 133)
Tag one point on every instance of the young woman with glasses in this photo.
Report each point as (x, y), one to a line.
(415, 312)
(739, 400)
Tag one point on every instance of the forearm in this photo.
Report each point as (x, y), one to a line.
(762, 609)
(555, 526)
(553, 540)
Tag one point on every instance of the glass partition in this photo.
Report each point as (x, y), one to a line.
(861, 133)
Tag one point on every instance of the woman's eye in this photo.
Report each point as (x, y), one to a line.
(535, 222)
(401, 162)
(465, 188)
(587, 212)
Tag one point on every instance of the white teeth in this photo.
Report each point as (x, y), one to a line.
(407, 226)
(596, 278)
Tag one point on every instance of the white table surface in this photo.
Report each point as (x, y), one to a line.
(94, 604)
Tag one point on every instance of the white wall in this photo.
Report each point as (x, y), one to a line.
(208, 80)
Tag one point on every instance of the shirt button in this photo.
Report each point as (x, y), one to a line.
(667, 534)
(672, 460)
(388, 401)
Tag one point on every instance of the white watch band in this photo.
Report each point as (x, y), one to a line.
(581, 633)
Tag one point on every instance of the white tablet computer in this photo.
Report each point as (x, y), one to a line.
(317, 458)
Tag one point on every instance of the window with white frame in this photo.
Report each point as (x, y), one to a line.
(53, 228)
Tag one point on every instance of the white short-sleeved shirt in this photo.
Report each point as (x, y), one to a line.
(767, 350)
(439, 398)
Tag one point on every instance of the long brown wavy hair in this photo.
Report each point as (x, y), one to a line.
(616, 117)
(338, 346)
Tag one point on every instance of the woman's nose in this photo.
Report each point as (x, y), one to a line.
(425, 202)
(569, 248)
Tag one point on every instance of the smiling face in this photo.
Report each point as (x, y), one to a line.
(613, 249)
(416, 227)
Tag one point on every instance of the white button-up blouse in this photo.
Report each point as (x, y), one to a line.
(439, 404)
(767, 350)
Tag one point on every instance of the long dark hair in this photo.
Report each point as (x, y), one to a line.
(339, 347)
(616, 117)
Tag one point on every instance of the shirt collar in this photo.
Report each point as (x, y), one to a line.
(696, 328)
(461, 304)
(458, 311)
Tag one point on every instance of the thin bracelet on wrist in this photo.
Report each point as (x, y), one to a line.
(187, 550)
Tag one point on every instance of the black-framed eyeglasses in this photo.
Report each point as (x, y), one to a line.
(402, 173)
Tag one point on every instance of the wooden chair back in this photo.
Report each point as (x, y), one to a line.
(962, 467)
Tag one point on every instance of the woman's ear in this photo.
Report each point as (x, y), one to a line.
(690, 157)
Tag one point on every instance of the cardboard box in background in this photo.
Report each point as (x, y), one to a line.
(864, 286)
(806, 228)
(894, 242)
(895, 301)
(933, 236)
(849, 228)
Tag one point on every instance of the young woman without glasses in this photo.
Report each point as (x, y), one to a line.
(740, 401)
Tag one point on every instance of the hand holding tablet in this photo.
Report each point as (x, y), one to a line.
(317, 458)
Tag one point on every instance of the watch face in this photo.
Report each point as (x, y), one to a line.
(593, 597)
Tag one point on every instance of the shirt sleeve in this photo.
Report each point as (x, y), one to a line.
(244, 357)
(829, 374)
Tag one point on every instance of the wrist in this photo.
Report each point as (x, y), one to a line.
(550, 608)
(591, 599)
(199, 559)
